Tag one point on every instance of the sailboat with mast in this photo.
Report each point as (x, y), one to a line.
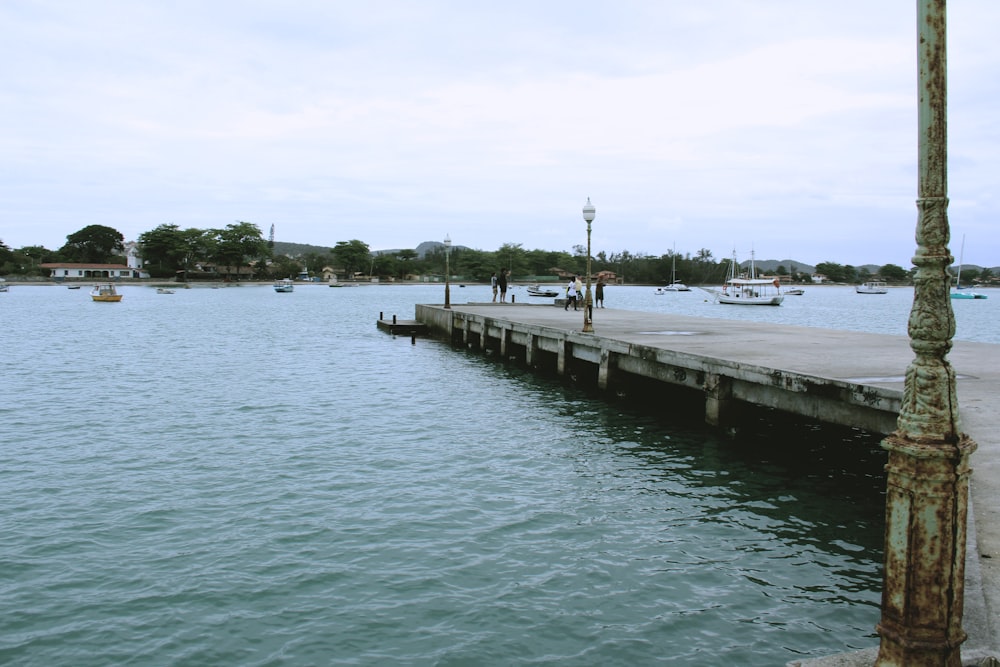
(748, 288)
(960, 292)
(675, 286)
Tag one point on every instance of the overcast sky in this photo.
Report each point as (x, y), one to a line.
(784, 126)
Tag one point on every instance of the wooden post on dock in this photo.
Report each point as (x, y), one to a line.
(926, 507)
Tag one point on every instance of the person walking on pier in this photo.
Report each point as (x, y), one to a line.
(571, 294)
(599, 293)
(502, 283)
(493, 284)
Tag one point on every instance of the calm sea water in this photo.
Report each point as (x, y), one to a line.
(238, 477)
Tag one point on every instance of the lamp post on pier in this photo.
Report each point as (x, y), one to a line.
(588, 305)
(927, 475)
(447, 272)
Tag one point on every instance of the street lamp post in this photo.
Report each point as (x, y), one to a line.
(927, 474)
(588, 305)
(447, 271)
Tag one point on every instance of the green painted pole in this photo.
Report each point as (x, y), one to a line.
(927, 494)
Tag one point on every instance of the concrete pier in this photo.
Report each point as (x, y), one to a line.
(838, 377)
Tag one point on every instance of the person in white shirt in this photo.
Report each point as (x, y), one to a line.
(571, 293)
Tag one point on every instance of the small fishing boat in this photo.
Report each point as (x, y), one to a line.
(538, 290)
(105, 292)
(748, 288)
(793, 291)
(164, 290)
(72, 287)
(872, 287)
(284, 285)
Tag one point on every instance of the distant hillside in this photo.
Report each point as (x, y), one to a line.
(422, 249)
(765, 265)
(298, 249)
(769, 265)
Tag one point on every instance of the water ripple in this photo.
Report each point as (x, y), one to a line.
(267, 482)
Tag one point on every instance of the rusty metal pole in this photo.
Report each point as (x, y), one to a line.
(928, 470)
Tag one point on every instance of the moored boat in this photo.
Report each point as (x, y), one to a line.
(872, 287)
(963, 292)
(105, 292)
(675, 285)
(284, 285)
(749, 288)
(538, 290)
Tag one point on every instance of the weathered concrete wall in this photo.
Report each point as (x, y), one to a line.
(722, 381)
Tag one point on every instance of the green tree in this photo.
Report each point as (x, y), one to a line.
(6, 259)
(315, 262)
(239, 244)
(283, 266)
(893, 273)
(385, 265)
(163, 247)
(354, 256)
(511, 256)
(969, 275)
(407, 261)
(473, 264)
(834, 272)
(196, 244)
(94, 244)
(35, 255)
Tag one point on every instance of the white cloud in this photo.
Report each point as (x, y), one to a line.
(788, 125)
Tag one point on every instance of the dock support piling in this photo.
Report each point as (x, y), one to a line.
(561, 357)
(604, 369)
(531, 350)
(718, 400)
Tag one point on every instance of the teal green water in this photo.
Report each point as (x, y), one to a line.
(238, 477)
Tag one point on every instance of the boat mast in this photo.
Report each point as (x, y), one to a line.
(961, 260)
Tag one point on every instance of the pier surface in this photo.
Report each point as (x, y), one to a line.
(840, 377)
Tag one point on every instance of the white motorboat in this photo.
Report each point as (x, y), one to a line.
(538, 290)
(284, 285)
(872, 287)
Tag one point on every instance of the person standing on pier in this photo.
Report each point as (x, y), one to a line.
(571, 294)
(599, 293)
(493, 284)
(502, 283)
